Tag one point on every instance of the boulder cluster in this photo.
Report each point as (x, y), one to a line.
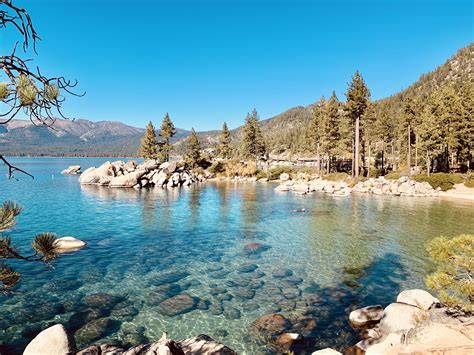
(72, 170)
(379, 186)
(147, 174)
(415, 323)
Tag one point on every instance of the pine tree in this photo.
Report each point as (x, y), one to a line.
(358, 96)
(315, 131)
(224, 142)
(253, 144)
(193, 149)
(149, 144)
(369, 130)
(331, 129)
(166, 132)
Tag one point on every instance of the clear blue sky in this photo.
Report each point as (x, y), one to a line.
(206, 62)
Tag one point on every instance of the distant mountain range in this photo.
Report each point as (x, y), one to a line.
(85, 138)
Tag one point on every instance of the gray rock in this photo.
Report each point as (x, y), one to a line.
(178, 304)
(366, 316)
(52, 341)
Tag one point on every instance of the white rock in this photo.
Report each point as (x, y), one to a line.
(384, 346)
(51, 341)
(103, 174)
(68, 243)
(363, 316)
(127, 180)
(400, 317)
(284, 177)
(72, 170)
(418, 298)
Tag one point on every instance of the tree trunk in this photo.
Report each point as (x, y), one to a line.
(393, 156)
(416, 152)
(383, 156)
(356, 150)
(368, 165)
(409, 151)
(428, 164)
(318, 160)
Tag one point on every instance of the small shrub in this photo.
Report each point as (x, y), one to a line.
(336, 177)
(443, 180)
(218, 167)
(454, 277)
(262, 174)
(274, 173)
(198, 170)
(394, 175)
(375, 173)
(236, 168)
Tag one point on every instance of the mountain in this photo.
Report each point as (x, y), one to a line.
(73, 138)
(285, 133)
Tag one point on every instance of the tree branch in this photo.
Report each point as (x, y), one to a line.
(12, 168)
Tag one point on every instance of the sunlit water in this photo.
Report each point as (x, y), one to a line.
(349, 252)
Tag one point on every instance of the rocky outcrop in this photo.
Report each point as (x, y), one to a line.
(147, 174)
(366, 316)
(414, 324)
(51, 341)
(66, 244)
(204, 344)
(72, 170)
(379, 186)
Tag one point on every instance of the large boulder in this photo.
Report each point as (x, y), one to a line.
(130, 166)
(400, 317)
(148, 165)
(68, 243)
(168, 167)
(366, 316)
(127, 180)
(284, 177)
(101, 175)
(72, 170)
(51, 341)
(418, 298)
(159, 179)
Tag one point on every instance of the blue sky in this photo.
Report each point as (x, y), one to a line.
(211, 61)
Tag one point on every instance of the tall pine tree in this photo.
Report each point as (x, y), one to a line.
(224, 142)
(149, 144)
(167, 131)
(358, 96)
(253, 143)
(193, 149)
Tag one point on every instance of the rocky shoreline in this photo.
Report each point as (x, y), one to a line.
(415, 323)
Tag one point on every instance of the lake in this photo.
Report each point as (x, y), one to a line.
(240, 250)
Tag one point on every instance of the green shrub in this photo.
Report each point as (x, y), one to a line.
(274, 173)
(237, 168)
(261, 174)
(335, 177)
(454, 277)
(198, 170)
(394, 175)
(218, 167)
(375, 173)
(443, 180)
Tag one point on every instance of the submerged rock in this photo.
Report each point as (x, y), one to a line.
(255, 248)
(94, 330)
(169, 277)
(52, 341)
(248, 267)
(281, 273)
(268, 327)
(178, 304)
(232, 313)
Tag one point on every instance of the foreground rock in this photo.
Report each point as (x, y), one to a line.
(72, 170)
(51, 341)
(414, 325)
(366, 316)
(147, 174)
(66, 244)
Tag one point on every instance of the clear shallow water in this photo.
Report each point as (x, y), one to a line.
(348, 252)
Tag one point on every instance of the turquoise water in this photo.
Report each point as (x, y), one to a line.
(144, 246)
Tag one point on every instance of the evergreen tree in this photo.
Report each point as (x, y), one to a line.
(369, 130)
(358, 96)
(225, 141)
(253, 144)
(193, 149)
(167, 131)
(315, 131)
(331, 129)
(149, 144)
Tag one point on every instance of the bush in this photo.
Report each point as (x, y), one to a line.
(454, 277)
(237, 168)
(375, 173)
(394, 175)
(274, 173)
(336, 177)
(198, 170)
(469, 183)
(443, 180)
(218, 167)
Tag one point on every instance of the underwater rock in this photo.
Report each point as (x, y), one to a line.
(281, 273)
(268, 327)
(247, 267)
(203, 305)
(101, 300)
(216, 309)
(94, 330)
(178, 304)
(124, 313)
(256, 284)
(286, 305)
(255, 248)
(224, 297)
(244, 294)
(291, 293)
(294, 280)
(250, 307)
(232, 313)
(305, 325)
